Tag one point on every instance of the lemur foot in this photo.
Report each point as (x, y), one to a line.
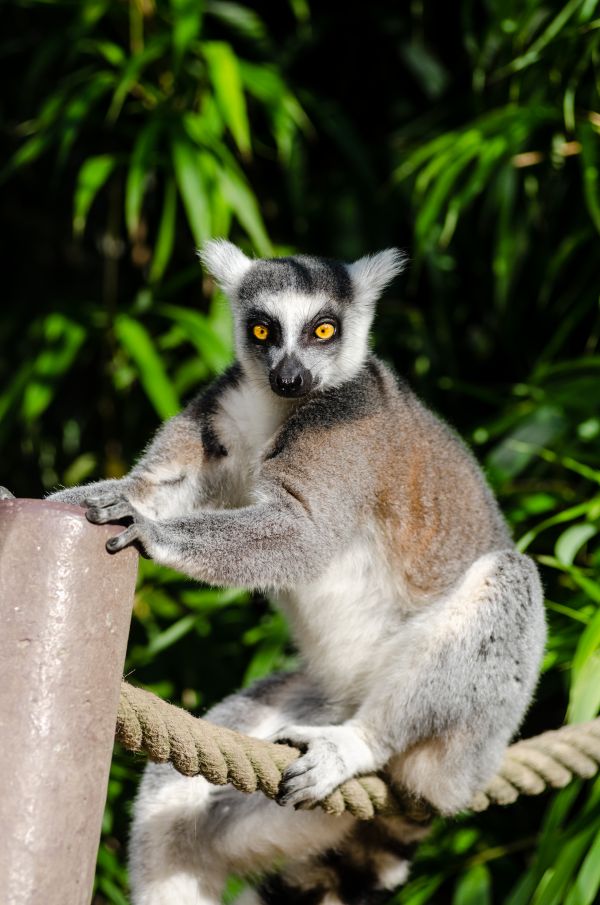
(333, 755)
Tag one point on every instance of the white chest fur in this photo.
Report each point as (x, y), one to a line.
(249, 416)
(341, 620)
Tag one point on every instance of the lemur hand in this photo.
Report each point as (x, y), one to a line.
(333, 755)
(108, 505)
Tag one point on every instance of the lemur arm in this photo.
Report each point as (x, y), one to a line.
(169, 478)
(274, 543)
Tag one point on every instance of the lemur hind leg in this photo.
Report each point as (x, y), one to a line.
(475, 684)
(366, 867)
(188, 836)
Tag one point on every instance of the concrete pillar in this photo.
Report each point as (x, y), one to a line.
(65, 608)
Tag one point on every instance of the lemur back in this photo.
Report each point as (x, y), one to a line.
(309, 471)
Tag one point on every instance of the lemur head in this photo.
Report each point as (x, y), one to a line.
(301, 321)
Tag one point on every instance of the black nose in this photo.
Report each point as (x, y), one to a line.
(289, 386)
(290, 378)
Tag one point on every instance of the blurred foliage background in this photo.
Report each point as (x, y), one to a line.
(467, 133)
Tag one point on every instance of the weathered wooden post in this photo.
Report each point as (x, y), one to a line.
(65, 607)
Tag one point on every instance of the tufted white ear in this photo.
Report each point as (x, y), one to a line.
(371, 274)
(225, 262)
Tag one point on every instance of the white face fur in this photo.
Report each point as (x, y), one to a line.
(302, 323)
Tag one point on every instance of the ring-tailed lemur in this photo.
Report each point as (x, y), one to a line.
(309, 471)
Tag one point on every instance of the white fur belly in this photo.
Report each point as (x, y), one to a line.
(341, 620)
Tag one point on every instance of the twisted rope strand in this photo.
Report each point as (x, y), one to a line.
(194, 746)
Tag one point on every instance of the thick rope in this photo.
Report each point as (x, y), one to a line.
(194, 746)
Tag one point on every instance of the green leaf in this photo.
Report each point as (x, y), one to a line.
(171, 635)
(92, 176)
(551, 889)
(244, 20)
(142, 159)
(212, 348)
(514, 453)
(136, 340)
(187, 161)
(166, 233)
(132, 71)
(552, 31)
(474, 887)
(28, 152)
(590, 161)
(225, 77)
(246, 209)
(584, 698)
(187, 19)
(63, 339)
(572, 540)
(587, 884)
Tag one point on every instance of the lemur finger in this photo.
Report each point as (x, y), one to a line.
(102, 500)
(109, 513)
(297, 798)
(298, 768)
(119, 541)
(297, 736)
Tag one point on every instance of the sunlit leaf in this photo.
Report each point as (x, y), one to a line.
(187, 162)
(138, 343)
(586, 887)
(225, 77)
(571, 541)
(63, 339)
(246, 209)
(213, 349)
(187, 18)
(474, 887)
(166, 232)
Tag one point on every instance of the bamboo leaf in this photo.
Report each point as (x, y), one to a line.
(142, 159)
(590, 161)
(225, 76)
(244, 20)
(474, 887)
(187, 162)
(132, 71)
(572, 540)
(187, 19)
(166, 232)
(587, 884)
(92, 176)
(63, 339)
(212, 348)
(246, 209)
(138, 343)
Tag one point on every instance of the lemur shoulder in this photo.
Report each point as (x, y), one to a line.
(309, 471)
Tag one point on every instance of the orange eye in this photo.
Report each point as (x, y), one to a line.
(324, 331)
(259, 331)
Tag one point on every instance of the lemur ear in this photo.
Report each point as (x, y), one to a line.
(371, 274)
(225, 262)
